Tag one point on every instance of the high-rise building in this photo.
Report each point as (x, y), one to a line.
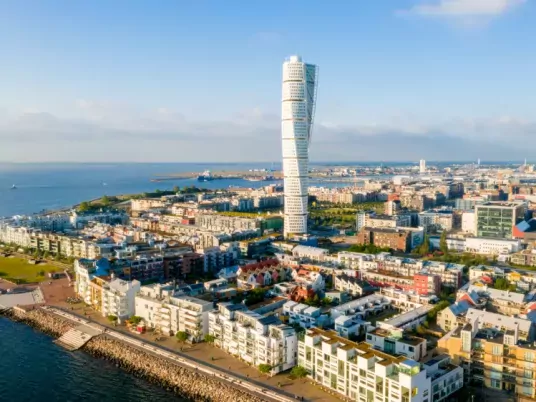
(299, 98)
(422, 166)
(497, 219)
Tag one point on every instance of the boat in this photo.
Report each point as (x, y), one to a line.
(254, 178)
(205, 176)
(13, 187)
(104, 184)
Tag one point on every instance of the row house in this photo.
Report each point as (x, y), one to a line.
(264, 273)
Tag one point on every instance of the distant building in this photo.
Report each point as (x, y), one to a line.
(422, 166)
(392, 238)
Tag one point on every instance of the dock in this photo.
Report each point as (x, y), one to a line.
(77, 337)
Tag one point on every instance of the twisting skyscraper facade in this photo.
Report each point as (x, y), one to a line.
(299, 98)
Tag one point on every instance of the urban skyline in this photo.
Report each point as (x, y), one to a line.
(438, 79)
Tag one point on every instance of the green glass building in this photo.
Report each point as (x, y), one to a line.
(497, 219)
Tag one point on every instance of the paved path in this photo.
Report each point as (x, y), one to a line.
(223, 375)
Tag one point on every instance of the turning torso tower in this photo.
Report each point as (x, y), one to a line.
(299, 98)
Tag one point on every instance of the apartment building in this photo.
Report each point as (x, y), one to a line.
(395, 342)
(497, 219)
(168, 311)
(310, 253)
(303, 315)
(145, 204)
(503, 301)
(253, 338)
(106, 294)
(218, 222)
(494, 355)
(387, 221)
(393, 238)
(352, 285)
(362, 373)
(437, 220)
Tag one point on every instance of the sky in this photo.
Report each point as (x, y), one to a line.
(200, 81)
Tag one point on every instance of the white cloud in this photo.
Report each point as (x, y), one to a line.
(125, 133)
(465, 8)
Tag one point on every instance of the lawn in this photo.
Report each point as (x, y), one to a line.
(18, 270)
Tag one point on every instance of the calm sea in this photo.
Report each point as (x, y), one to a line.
(51, 186)
(34, 369)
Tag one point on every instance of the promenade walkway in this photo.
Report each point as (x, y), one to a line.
(258, 389)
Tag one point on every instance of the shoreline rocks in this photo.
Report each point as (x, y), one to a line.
(188, 383)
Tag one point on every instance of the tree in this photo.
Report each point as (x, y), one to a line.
(501, 284)
(105, 201)
(299, 372)
(443, 242)
(425, 246)
(181, 336)
(112, 318)
(265, 368)
(84, 206)
(209, 338)
(176, 189)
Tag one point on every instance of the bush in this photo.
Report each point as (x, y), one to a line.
(181, 336)
(135, 320)
(112, 318)
(209, 338)
(299, 372)
(265, 368)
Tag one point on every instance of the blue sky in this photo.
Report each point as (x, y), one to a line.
(200, 80)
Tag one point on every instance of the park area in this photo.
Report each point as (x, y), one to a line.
(20, 271)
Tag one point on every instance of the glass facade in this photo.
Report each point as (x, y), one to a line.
(495, 222)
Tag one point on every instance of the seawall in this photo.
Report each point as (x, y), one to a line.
(183, 381)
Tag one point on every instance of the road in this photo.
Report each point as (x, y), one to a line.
(256, 388)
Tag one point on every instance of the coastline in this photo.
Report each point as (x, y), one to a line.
(185, 382)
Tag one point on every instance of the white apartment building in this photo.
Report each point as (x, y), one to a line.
(353, 260)
(311, 253)
(169, 312)
(362, 373)
(253, 338)
(394, 341)
(118, 298)
(469, 222)
(298, 108)
(303, 315)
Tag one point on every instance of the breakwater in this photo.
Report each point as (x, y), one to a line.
(183, 381)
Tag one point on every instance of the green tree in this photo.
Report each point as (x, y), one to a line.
(265, 368)
(84, 206)
(425, 246)
(209, 338)
(105, 201)
(181, 336)
(501, 284)
(112, 318)
(135, 320)
(443, 242)
(176, 189)
(299, 372)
